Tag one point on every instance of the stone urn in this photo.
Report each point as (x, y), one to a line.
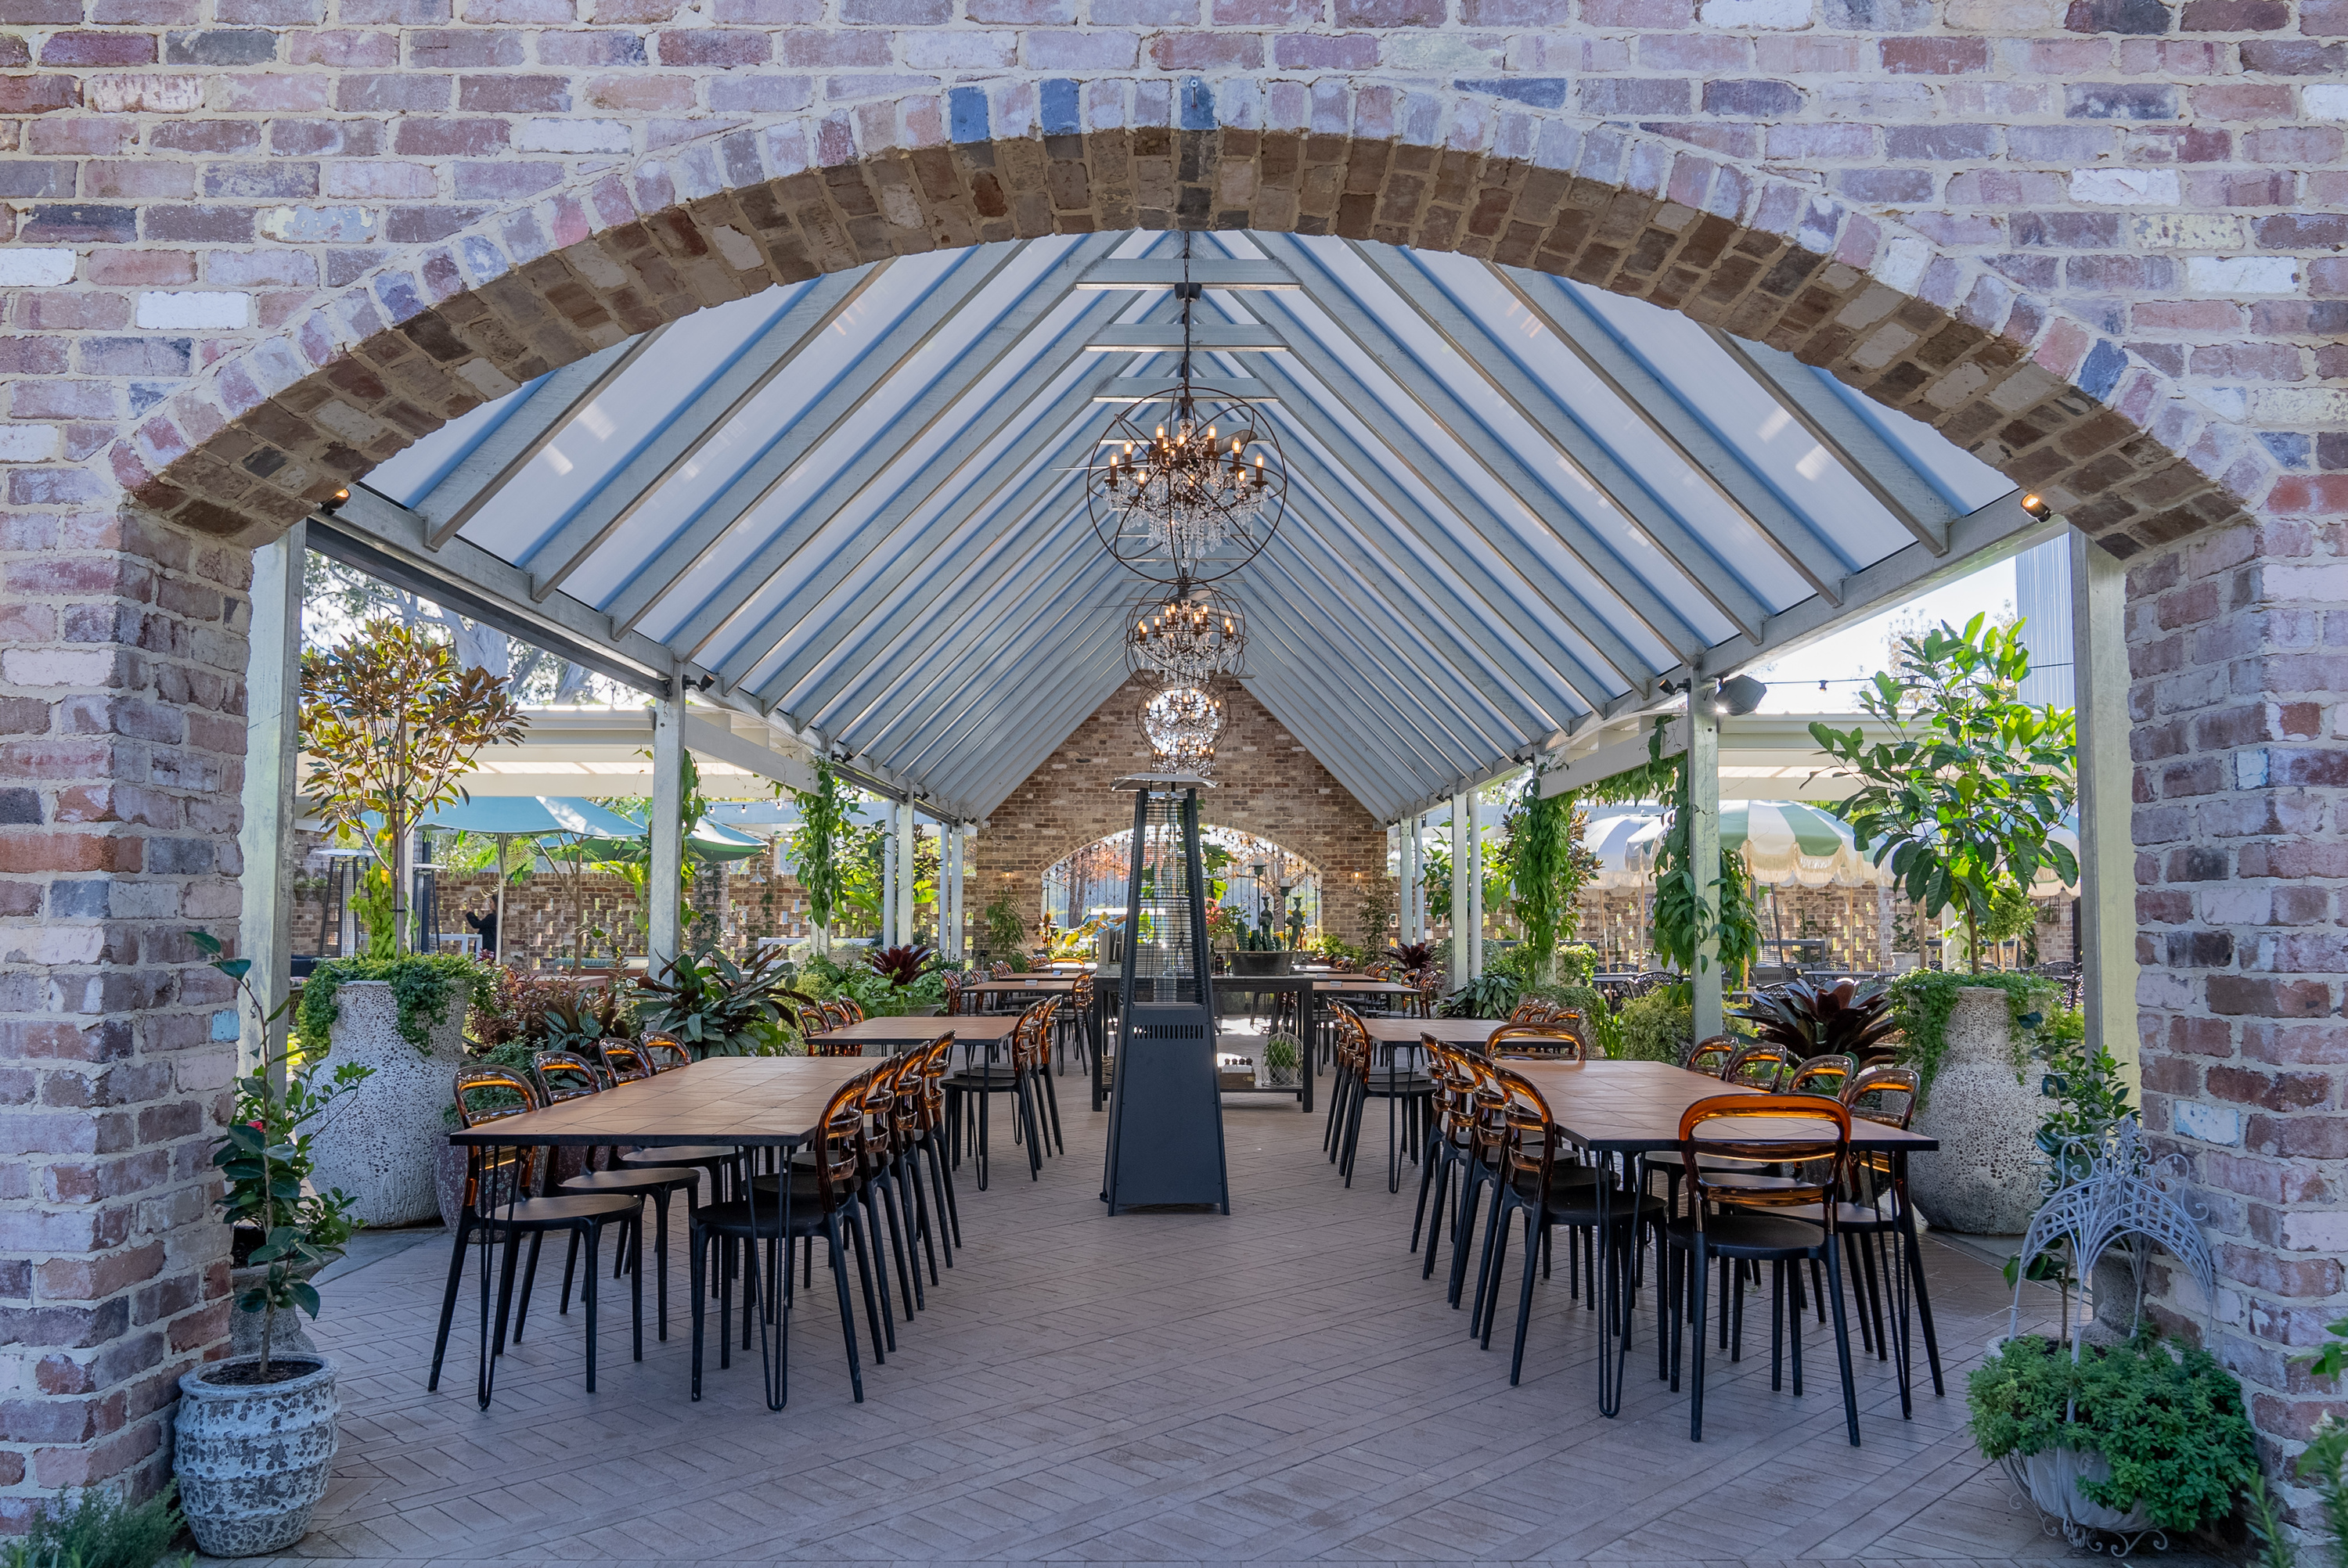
(1985, 1179)
(383, 1145)
(251, 1458)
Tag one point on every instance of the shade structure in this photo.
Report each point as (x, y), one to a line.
(854, 504)
(710, 842)
(1784, 844)
(532, 816)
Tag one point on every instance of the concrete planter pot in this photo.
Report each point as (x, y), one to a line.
(252, 1459)
(383, 1147)
(1984, 1180)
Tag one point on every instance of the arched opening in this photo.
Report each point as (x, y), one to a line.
(1259, 886)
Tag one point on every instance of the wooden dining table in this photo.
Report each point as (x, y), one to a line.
(1624, 1111)
(750, 1102)
(896, 1034)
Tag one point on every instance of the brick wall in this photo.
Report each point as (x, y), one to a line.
(2235, 643)
(122, 751)
(255, 246)
(1266, 783)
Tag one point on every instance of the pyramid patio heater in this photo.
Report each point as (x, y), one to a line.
(1166, 1110)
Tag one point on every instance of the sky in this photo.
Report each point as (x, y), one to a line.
(1855, 653)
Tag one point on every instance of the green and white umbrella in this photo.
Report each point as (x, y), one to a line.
(1785, 844)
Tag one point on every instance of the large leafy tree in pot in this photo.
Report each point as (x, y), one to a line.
(1963, 796)
(391, 723)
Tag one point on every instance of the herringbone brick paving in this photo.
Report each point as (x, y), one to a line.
(1275, 1386)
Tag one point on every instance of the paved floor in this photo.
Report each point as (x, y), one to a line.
(1275, 1386)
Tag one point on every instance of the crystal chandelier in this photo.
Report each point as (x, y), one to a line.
(1183, 723)
(1187, 636)
(1191, 485)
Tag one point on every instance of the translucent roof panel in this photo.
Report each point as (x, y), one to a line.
(855, 504)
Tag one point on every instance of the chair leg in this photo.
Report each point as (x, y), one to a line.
(1702, 1262)
(907, 1281)
(1427, 1165)
(570, 1264)
(529, 1279)
(660, 1261)
(695, 1243)
(1777, 1327)
(587, 1292)
(1915, 1265)
(1494, 1268)
(1842, 1347)
(1483, 1267)
(870, 1201)
(847, 1312)
(1052, 1104)
(855, 1227)
(1023, 1092)
(449, 1299)
(1524, 1299)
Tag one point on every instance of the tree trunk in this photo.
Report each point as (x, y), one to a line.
(395, 825)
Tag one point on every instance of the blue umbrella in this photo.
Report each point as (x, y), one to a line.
(511, 817)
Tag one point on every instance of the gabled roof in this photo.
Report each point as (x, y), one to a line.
(1515, 503)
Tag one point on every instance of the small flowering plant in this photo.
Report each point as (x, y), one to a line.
(265, 1155)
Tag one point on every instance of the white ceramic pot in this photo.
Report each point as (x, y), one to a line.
(252, 1459)
(1985, 1179)
(383, 1145)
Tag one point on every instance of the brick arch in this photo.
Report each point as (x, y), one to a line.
(270, 431)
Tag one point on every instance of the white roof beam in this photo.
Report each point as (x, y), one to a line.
(1482, 350)
(790, 447)
(1206, 337)
(1208, 272)
(687, 435)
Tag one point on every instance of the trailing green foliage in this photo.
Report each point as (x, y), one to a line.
(1923, 999)
(1684, 925)
(816, 860)
(825, 979)
(2089, 1096)
(99, 1530)
(1657, 1027)
(1548, 867)
(2169, 1420)
(1962, 800)
(424, 986)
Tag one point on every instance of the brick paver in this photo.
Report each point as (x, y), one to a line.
(1278, 1385)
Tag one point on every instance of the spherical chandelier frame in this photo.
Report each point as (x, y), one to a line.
(1182, 724)
(1190, 486)
(1186, 635)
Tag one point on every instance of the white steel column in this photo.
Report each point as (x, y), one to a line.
(2106, 911)
(1475, 884)
(665, 876)
(892, 839)
(1414, 874)
(273, 740)
(1704, 848)
(1462, 952)
(908, 860)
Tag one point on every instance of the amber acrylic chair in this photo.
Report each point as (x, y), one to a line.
(1448, 1145)
(1542, 1041)
(1762, 1066)
(823, 1203)
(1709, 1057)
(562, 1076)
(1534, 1183)
(1733, 1221)
(937, 1063)
(624, 1060)
(970, 1092)
(664, 1053)
(502, 1203)
(1820, 1075)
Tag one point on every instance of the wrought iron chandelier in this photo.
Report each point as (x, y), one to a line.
(1191, 486)
(1183, 723)
(1188, 636)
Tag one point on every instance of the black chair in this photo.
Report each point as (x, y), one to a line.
(970, 1092)
(502, 1205)
(1729, 1219)
(562, 1076)
(823, 1203)
(1548, 1194)
(1408, 1093)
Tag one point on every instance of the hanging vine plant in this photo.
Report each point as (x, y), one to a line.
(815, 858)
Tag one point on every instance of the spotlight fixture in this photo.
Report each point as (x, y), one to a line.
(335, 503)
(1740, 694)
(2036, 507)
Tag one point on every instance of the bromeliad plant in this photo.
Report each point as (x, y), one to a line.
(899, 966)
(715, 1006)
(265, 1155)
(1842, 1020)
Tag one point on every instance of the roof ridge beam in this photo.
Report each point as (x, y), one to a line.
(1206, 271)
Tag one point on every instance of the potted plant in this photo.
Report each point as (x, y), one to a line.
(1961, 798)
(392, 723)
(1845, 1018)
(1280, 1061)
(100, 1529)
(2126, 1438)
(1006, 933)
(1260, 952)
(255, 1433)
(715, 1006)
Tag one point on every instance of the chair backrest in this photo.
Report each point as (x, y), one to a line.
(1031, 1037)
(565, 1075)
(852, 1010)
(1000, 971)
(1885, 1094)
(1810, 1136)
(811, 1023)
(879, 1141)
(835, 1016)
(1820, 1075)
(664, 1053)
(1528, 1135)
(953, 992)
(1758, 1066)
(495, 1173)
(1080, 995)
(935, 1061)
(839, 1148)
(1532, 1010)
(1709, 1057)
(1536, 1041)
(1488, 1111)
(624, 1060)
